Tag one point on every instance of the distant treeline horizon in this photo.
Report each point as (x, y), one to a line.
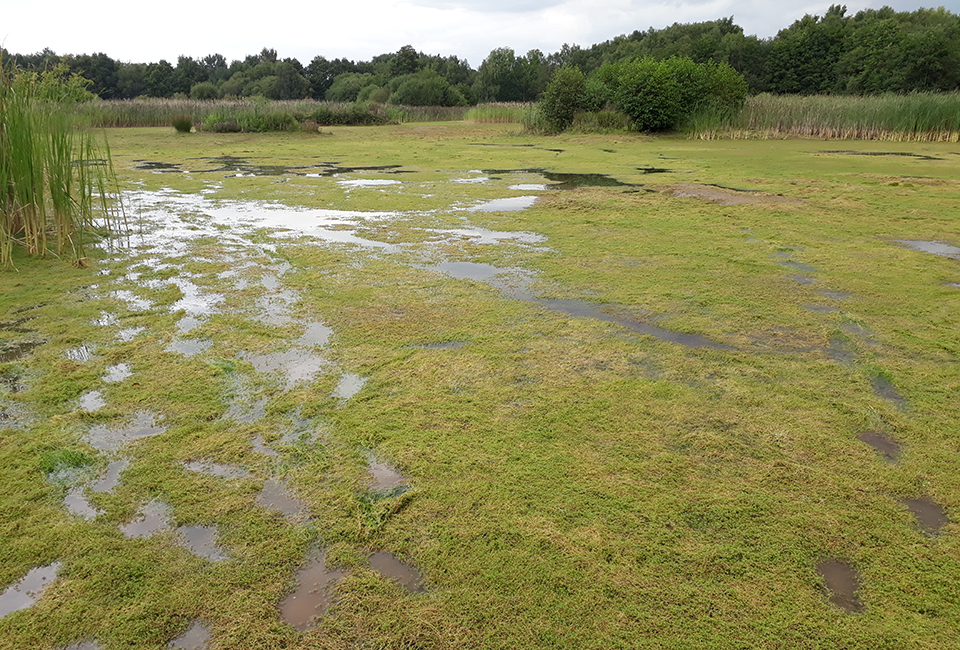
(873, 51)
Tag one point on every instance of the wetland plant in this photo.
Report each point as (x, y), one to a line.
(182, 123)
(55, 177)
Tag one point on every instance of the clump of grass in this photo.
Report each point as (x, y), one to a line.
(54, 177)
(500, 112)
(927, 117)
(182, 123)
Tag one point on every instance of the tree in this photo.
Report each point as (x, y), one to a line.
(563, 97)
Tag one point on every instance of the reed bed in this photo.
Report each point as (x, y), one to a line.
(500, 112)
(56, 179)
(926, 117)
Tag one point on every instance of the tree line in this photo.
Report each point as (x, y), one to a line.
(873, 51)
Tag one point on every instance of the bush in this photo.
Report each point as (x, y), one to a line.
(182, 123)
(564, 96)
(649, 94)
(204, 91)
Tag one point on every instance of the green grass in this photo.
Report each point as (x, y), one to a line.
(574, 484)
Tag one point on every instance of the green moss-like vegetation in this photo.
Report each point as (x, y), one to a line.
(573, 482)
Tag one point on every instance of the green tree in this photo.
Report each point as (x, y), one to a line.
(564, 96)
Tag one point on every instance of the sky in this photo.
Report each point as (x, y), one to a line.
(141, 32)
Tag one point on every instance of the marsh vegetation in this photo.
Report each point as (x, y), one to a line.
(466, 387)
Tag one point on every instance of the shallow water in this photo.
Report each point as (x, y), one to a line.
(240, 411)
(81, 354)
(189, 347)
(935, 247)
(260, 447)
(509, 204)
(217, 469)
(842, 583)
(349, 385)
(316, 334)
(78, 505)
(277, 496)
(932, 517)
(105, 439)
(314, 592)
(195, 638)
(390, 567)
(201, 541)
(385, 477)
(841, 350)
(152, 518)
(296, 365)
(128, 334)
(18, 350)
(92, 401)
(117, 373)
(28, 590)
(111, 477)
(883, 388)
(888, 448)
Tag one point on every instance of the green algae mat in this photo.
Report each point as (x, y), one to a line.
(453, 386)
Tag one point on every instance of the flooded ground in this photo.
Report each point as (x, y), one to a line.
(517, 396)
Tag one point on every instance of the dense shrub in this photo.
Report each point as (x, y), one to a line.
(565, 95)
(204, 90)
(182, 123)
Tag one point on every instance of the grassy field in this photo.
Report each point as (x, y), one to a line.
(625, 416)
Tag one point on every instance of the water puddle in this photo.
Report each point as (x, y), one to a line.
(188, 323)
(888, 448)
(583, 309)
(654, 170)
(195, 638)
(18, 350)
(239, 411)
(28, 590)
(509, 204)
(493, 237)
(152, 518)
(842, 583)
(201, 541)
(313, 595)
(84, 645)
(260, 447)
(81, 354)
(78, 505)
(296, 365)
(349, 385)
(385, 477)
(884, 389)
(217, 469)
(92, 401)
(918, 156)
(512, 282)
(830, 294)
(14, 325)
(157, 167)
(117, 373)
(316, 334)
(111, 478)
(390, 567)
(133, 301)
(128, 334)
(367, 182)
(529, 187)
(105, 439)
(798, 266)
(106, 319)
(840, 350)
(189, 347)
(931, 516)
(276, 496)
(935, 247)
(446, 345)
(800, 279)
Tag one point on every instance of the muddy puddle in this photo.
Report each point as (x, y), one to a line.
(242, 411)
(938, 248)
(930, 516)
(883, 444)
(152, 518)
(260, 447)
(842, 583)
(314, 593)
(831, 294)
(389, 566)
(884, 389)
(315, 334)
(110, 478)
(385, 477)
(561, 180)
(201, 541)
(841, 350)
(28, 590)
(78, 505)
(197, 637)
(296, 365)
(220, 470)
(106, 439)
(276, 495)
(584, 309)
(92, 401)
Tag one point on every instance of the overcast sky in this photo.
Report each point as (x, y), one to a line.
(146, 32)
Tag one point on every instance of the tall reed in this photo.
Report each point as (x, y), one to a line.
(930, 117)
(54, 178)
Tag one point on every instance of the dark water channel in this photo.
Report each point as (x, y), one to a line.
(885, 446)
